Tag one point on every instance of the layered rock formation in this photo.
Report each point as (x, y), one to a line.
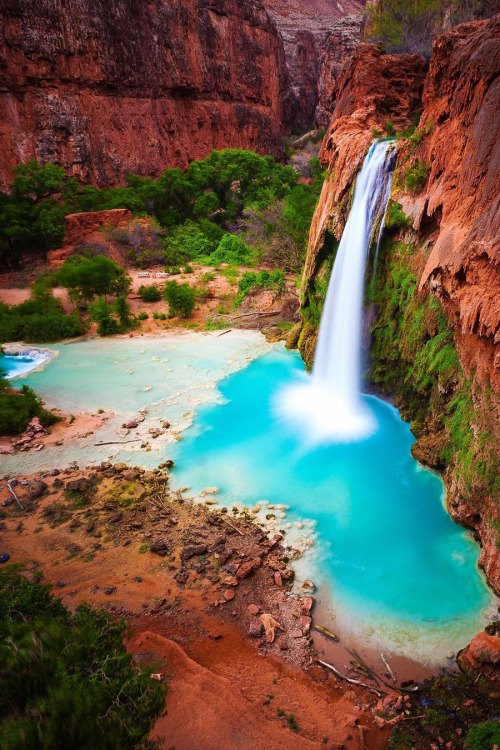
(106, 89)
(373, 89)
(318, 35)
(443, 242)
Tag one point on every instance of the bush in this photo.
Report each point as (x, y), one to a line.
(67, 679)
(416, 176)
(482, 736)
(17, 408)
(262, 280)
(142, 316)
(39, 320)
(102, 313)
(231, 249)
(181, 299)
(150, 293)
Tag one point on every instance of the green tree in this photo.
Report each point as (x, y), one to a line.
(181, 299)
(122, 309)
(67, 680)
(101, 312)
(86, 278)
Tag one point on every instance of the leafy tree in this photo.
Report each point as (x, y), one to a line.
(86, 278)
(181, 299)
(122, 309)
(412, 25)
(67, 680)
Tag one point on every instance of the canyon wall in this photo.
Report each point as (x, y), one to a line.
(318, 35)
(433, 314)
(106, 89)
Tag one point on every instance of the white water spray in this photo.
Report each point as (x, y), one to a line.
(330, 405)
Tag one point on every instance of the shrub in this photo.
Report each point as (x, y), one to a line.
(181, 299)
(67, 679)
(150, 293)
(262, 280)
(18, 407)
(389, 128)
(39, 320)
(102, 313)
(396, 217)
(143, 316)
(231, 249)
(416, 176)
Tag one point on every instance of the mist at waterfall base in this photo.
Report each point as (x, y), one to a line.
(329, 404)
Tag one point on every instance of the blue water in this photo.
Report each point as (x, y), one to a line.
(15, 365)
(395, 562)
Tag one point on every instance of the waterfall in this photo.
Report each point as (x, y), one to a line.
(331, 404)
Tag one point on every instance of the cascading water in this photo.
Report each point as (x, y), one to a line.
(330, 405)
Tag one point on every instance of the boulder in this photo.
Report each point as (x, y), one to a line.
(160, 547)
(482, 655)
(193, 550)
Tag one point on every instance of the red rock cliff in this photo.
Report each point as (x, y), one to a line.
(108, 88)
(318, 35)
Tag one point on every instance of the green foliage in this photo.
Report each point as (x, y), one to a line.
(150, 293)
(483, 736)
(18, 407)
(404, 26)
(101, 312)
(32, 215)
(231, 249)
(396, 217)
(39, 320)
(67, 680)
(86, 278)
(263, 280)
(389, 128)
(181, 299)
(416, 176)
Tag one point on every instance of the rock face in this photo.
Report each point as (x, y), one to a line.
(462, 114)
(106, 89)
(482, 655)
(317, 36)
(373, 88)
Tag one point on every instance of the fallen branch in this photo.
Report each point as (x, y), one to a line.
(118, 442)
(233, 527)
(14, 494)
(349, 679)
(387, 666)
(224, 332)
(326, 632)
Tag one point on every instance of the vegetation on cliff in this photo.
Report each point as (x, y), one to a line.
(414, 358)
(67, 680)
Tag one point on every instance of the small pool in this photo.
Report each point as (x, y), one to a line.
(14, 365)
(399, 572)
